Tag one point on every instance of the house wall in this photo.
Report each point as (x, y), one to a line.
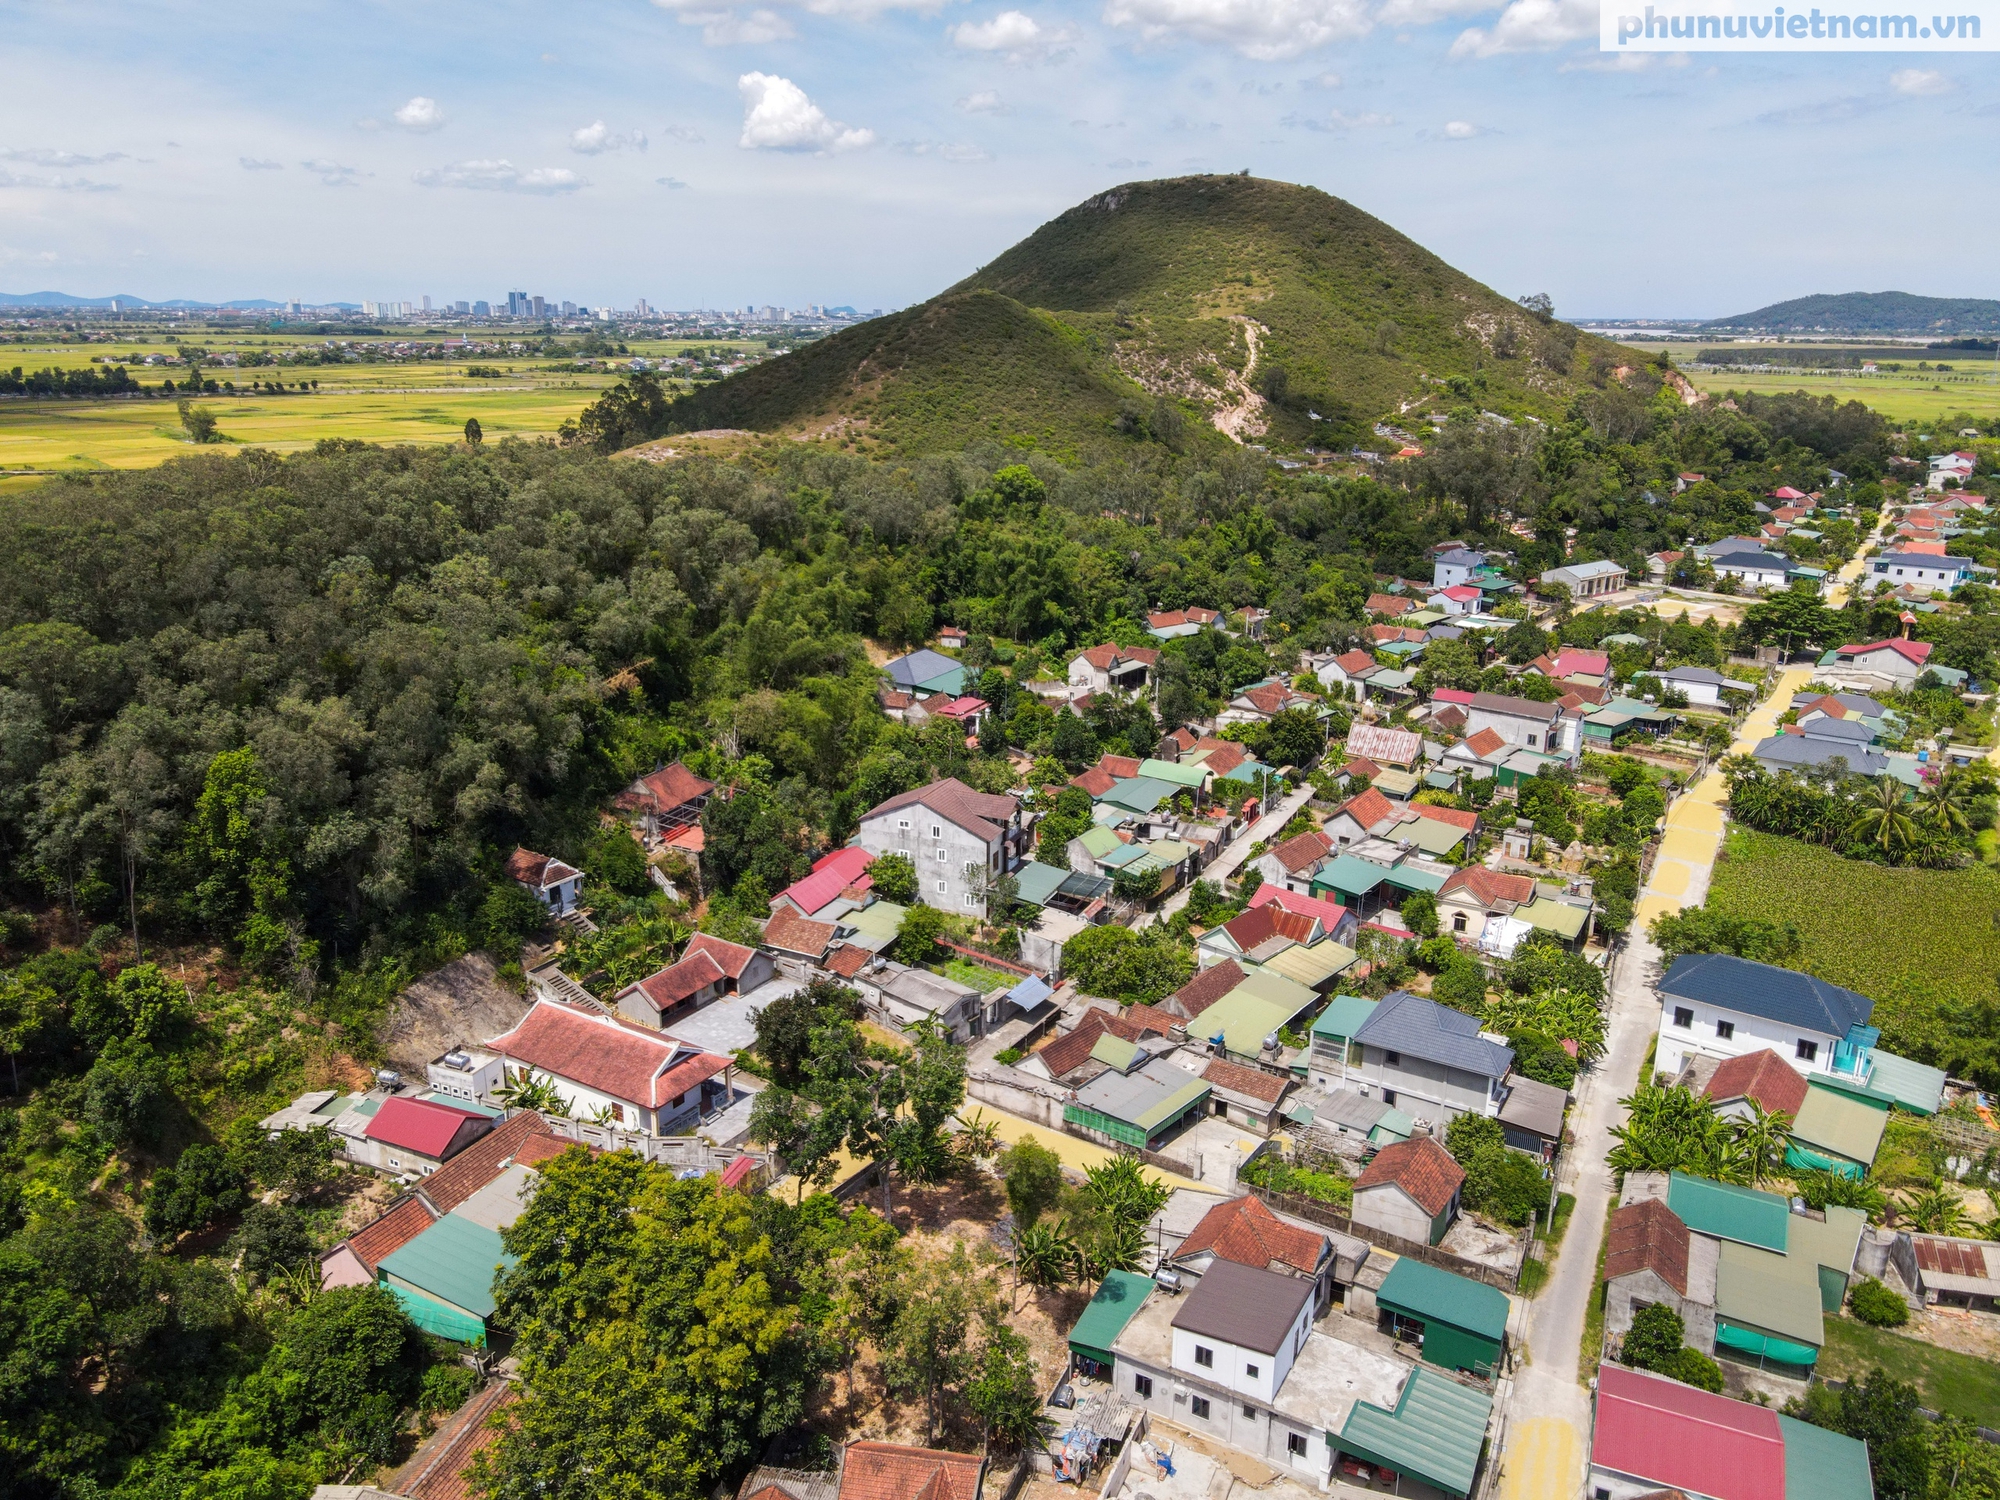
(1274, 873)
(636, 1006)
(1449, 1347)
(1532, 733)
(386, 1158)
(1624, 1296)
(584, 1101)
(1262, 1435)
(1753, 1033)
(1902, 570)
(1700, 694)
(1424, 1090)
(1460, 903)
(474, 1085)
(1754, 577)
(342, 1267)
(1233, 1362)
(929, 836)
(1387, 1207)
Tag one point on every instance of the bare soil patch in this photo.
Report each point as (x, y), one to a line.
(462, 1003)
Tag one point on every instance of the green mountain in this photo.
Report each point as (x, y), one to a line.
(1868, 314)
(1180, 310)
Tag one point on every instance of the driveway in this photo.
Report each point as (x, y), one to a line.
(1231, 859)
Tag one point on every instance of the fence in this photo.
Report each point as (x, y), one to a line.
(987, 959)
(683, 1152)
(1315, 1212)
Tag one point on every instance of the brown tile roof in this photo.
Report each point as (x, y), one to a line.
(731, 958)
(1261, 923)
(1648, 1235)
(1124, 767)
(1422, 1168)
(673, 785)
(1451, 717)
(1489, 887)
(1207, 987)
(1390, 604)
(405, 1220)
(1354, 662)
(537, 870)
(1457, 817)
(1071, 1050)
(485, 1159)
(1108, 655)
(1302, 852)
(895, 1471)
(615, 1057)
(789, 932)
(1485, 742)
(1361, 765)
(846, 960)
(1184, 739)
(1223, 756)
(1243, 1230)
(1146, 1018)
(1763, 1076)
(1238, 1079)
(1368, 809)
(439, 1470)
(1096, 781)
(982, 814)
(666, 988)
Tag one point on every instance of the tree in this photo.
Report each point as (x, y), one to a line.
(1943, 805)
(199, 423)
(127, 1094)
(1655, 1337)
(1033, 1175)
(200, 1188)
(805, 1138)
(527, 1091)
(1884, 1414)
(273, 1238)
(1795, 618)
(1467, 1133)
(1420, 913)
(929, 1346)
(1701, 929)
(1761, 1141)
(1046, 1254)
(1461, 985)
(474, 434)
(1004, 1394)
(616, 860)
(785, 1026)
(894, 878)
(1132, 967)
(917, 937)
(1882, 819)
(296, 1164)
(1073, 744)
(1295, 737)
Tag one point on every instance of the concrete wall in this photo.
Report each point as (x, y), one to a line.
(1425, 1090)
(1626, 1295)
(929, 836)
(1394, 1211)
(1262, 1435)
(1233, 1363)
(1753, 1034)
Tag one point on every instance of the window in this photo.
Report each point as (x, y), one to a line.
(1725, 1029)
(1531, 741)
(1142, 1387)
(902, 822)
(1389, 1097)
(1251, 1371)
(618, 1113)
(937, 830)
(970, 899)
(1808, 1051)
(1683, 1017)
(1295, 1444)
(904, 853)
(1392, 1059)
(1204, 1357)
(1249, 1411)
(1458, 921)
(943, 855)
(1199, 1406)
(940, 887)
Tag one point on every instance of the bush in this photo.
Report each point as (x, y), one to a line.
(1654, 1338)
(1034, 1178)
(1008, 1057)
(1877, 1306)
(1461, 985)
(273, 1238)
(917, 938)
(203, 1186)
(894, 877)
(1692, 1367)
(1468, 1132)
(1541, 1058)
(127, 1094)
(1420, 913)
(1504, 1184)
(616, 861)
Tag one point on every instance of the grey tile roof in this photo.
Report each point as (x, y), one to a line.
(917, 667)
(1785, 751)
(1847, 731)
(1519, 708)
(1753, 989)
(1244, 1306)
(1409, 1023)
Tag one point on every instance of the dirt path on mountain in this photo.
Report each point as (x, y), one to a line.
(1241, 419)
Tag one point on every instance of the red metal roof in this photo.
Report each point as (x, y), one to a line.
(831, 874)
(1666, 1433)
(1913, 651)
(419, 1125)
(1330, 913)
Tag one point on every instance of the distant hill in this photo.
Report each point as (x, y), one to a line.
(64, 299)
(1867, 314)
(1258, 308)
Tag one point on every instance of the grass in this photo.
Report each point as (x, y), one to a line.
(1912, 396)
(1591, 1346)
(976, 976)
(1960, 1385)
(1915, 941)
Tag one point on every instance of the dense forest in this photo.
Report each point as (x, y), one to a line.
(269, 727)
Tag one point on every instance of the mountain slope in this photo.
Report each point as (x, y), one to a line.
(1868, 313)
(1259, 309)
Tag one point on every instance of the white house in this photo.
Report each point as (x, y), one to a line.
(1588, 580)
(1925, 570)
(1455, 567)
(1720, 1006)
(1703, 686)
(1896, 661)
(1753, 567)
(556, 885)
(1112, 669)
(614, 1070)
(1459, 599)
(957, 838)
(1522, 722)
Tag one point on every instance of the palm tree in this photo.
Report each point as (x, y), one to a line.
(1938, 1210)
(1761, 1141)
(528, 1092)
(1045, 1254)
(1941, 805)
(1882, 820)
(978, 1137)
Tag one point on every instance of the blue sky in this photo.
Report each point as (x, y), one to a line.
(696, 152)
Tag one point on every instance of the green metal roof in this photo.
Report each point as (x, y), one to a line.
(1830, 1242)
(1115, 1051)
(1244, 1017)
(1343, 1015)
(1912, 1085)
(453, 1260)
(1429, 834)
(1408, 878)
(1315, 965)
(1398, 783)
(1036, 882)
(1841, 1124)
(1436, 1432)
(1559, 917)
(1170, 851)
(1429, 1293)
(1393, 1127)
(1114, 1304)
(1173, 771)
(1124, 855)
(1099, 841)
(1176, 1103)
(1139, 793)
(1823, 1465)
(1354, 876)
(1770, 1293)
(883, 919)
(1728, 1212)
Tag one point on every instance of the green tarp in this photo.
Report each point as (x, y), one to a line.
(1749, 1341)
(440, 1318)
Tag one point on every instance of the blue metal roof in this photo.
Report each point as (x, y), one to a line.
(1404, 1022)
(1754, 989)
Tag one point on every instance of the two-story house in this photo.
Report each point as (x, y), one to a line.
(1720, 1006)
(1429, 1061)
(958, 839)
(1455, 567)
(1522, 722)
(1112, 669)
(1925, 570)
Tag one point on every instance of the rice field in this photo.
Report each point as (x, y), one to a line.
(1907, 396)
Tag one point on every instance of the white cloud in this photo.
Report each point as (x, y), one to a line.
(1460, 130)
(1014, 34)
(1919, 81)
(333, 174)
(1260, 29)
(58, 183)
(687, 134)
(259, 164)
(728, 29)
(673, 183)
(721, 26)
(1530, 26)
(985, 102)
(779, 117)
(595, 139)
(39, 156)
(944, 150)
(1339, 120)
(1321, 81)
(421, 115)
(501, 176)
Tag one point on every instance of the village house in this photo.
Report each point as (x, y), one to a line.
(1113, 669)
(1292, 864)
(1749, 564)
(1262, 701)
(1704, 687)
(669, 798)
(556, 885)
(416, 1135)
(707, 969)
(605, 1067)
(1893, 663)
(1245, 1232)
(837, 884)
(959, 840)
(1428, 1060)
(1589, 580)
(1522, 722)
(1410, 1190)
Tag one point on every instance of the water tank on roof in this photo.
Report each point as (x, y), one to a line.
(1271, 1042)
(458, 1060)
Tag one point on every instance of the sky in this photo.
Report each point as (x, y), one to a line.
(699, 153)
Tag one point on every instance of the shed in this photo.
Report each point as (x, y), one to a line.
(1437, 1432)
(1461, 1324)
(1768, 1306)
(1836, 1131)
(1140, 1108)
(444, 1278)
(1115, 1302)
(1914, 1086)
(1728, 1212)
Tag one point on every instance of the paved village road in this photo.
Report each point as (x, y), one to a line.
(1226, 863)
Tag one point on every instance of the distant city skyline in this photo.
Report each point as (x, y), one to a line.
(722, 155)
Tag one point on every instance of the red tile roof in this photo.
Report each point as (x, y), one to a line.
(1763, 1076)
(981, 814)
(1489, 887)
(538, 870)
(831, 874)
(1330, 913)
(1361, 765)
(846, 960)
(666, 988)
(1207, 987)
(1276, 697)
(731, 958)
(406, 1219)
(1457, 817)
(1223, 756)
(420, 1125)
(1261, 923)
(1108, 655)
(1303, 851)
(1484, 743)
(441, 1468)
(1124, 767)
(1389, 604)
(1071, 1050)
(1662, 1432)
(1243, 1230)
(1238, 1079)
(1421, 1168)
(1354, 663)
(616, 1058)
(674, 785)
(790, 933)
(894, 1471)
(515, 1139)
(1648, 1236)
(1369, 809)
(1096, 781)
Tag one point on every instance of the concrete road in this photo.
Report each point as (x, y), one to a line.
(1231, 859)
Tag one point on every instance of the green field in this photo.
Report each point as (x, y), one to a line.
(1912, 940)
(1959, 1385)
(1912, 396)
